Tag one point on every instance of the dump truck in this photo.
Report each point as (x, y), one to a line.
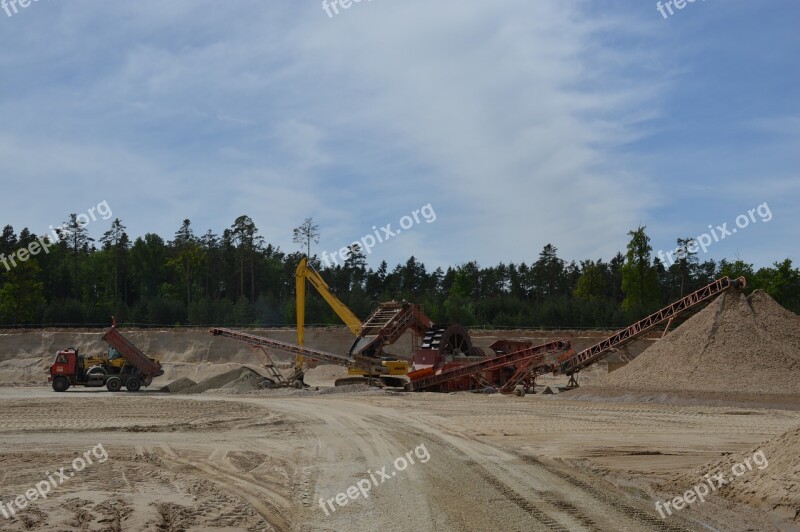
(123, 365)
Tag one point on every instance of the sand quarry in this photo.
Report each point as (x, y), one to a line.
(209, 447)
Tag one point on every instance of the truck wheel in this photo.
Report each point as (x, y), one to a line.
(60, 384)
(113, 384)
(133, 384)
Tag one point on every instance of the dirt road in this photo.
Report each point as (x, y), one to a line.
(260, 462)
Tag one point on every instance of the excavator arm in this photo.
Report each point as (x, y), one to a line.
(384, 326)
(305, 272)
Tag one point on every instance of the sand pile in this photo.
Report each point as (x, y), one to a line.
(737, 344)
(771, 483)
(775, 319)
(247, 382)
(178, 386)
(243, 379)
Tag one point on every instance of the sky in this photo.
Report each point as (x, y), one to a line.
(517, 123)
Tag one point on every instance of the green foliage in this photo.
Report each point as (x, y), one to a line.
(22, 293)
(736, 269)
(239, 280)
(166, 311)
(64, 311)
(639, 277)
(782, 282)
(243, 312)
(592, 282)
(459, 309)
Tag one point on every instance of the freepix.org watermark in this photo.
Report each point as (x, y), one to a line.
(666, 7)
(712, 483)
(12, 7)
(368, 242)
(45, 242)
(54, 480)
(331, 7)
(365, 485)
(721, 232)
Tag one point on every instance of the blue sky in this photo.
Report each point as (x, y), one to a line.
(521, 123)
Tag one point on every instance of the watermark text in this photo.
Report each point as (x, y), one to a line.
(45, 242)
(715, 234)
(365, 485)
(54, 480)
(711, 484)
(331, 7)
(12, 7)
(666, 7)
(367, 242)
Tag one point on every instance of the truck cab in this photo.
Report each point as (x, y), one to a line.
(65, 363)
(69, 369)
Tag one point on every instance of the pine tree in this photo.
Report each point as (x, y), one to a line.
(639, 279)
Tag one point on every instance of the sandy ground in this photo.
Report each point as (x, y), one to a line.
(263, 461)
(239, 457)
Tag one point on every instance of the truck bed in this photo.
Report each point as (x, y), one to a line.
(131, 353)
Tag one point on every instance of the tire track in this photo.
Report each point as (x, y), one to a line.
(556, 500)
(269, 504)
(617, 502)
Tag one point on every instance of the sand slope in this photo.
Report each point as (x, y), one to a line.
(772, 482)
(736, 344)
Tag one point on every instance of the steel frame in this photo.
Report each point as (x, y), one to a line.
(595, 353)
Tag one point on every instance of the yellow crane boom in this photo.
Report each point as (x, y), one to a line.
(303, 273)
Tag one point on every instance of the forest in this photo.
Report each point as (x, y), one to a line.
(239, 279)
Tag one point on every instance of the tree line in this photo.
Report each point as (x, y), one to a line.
(238, 279)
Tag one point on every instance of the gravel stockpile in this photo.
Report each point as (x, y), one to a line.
(736, 344)
(240, 380)
(178, 386)
(776, 320)
(247, 382)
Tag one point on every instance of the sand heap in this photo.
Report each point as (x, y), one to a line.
(770, 484)
(242, 379)
(737, 344)
(178, 386)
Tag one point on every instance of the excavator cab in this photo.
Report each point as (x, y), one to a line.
(115, 358)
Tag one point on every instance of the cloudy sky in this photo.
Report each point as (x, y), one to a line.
(521, 123)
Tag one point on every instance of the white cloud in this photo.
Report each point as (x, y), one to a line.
(514, 119)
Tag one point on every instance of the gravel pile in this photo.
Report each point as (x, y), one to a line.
(736, 344)
(239, 380)
(178, 386)
(247, 382)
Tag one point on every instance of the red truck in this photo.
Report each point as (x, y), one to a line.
(125, 365)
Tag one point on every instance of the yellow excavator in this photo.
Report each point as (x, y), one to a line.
(365, 368)
(111, 360)
(367, 361)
